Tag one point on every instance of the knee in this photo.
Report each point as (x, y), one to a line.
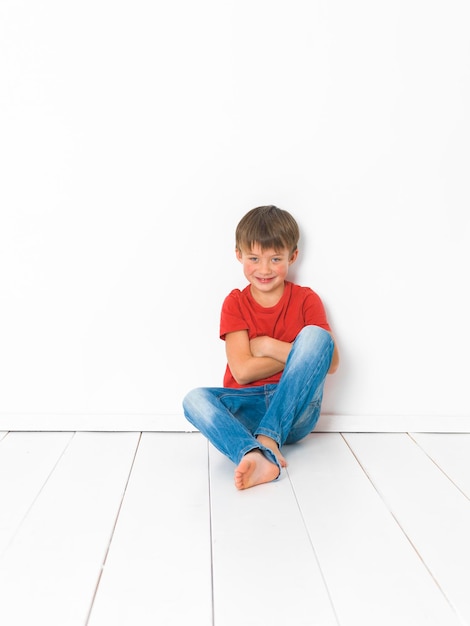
(199, 408)
(316, 336)
(193, 399)
(313, 342)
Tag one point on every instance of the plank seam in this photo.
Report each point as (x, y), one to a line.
(36, 497)
(113, 531)
(438, 466)
(313, 548)
(382, 498)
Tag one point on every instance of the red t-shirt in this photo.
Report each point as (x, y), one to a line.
(298, 307)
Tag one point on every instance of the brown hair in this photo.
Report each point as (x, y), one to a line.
(269, 227)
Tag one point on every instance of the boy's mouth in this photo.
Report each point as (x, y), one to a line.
(264, 280)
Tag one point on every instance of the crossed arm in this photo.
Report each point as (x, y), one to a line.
(259, 358)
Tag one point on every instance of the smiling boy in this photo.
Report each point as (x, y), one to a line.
(279, 350)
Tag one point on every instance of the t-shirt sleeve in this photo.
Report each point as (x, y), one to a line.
(231, 318)
(314, 311)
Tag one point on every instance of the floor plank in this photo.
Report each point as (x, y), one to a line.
(48, 573)
(26, 462)
(373, 573)
(158, 569)
(433, 513)
(265, 570)
(451, 453)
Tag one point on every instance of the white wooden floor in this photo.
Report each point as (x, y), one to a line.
(109, 529)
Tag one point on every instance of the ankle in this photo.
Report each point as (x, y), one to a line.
(269, 442)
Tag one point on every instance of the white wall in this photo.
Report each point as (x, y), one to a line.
(134, 136)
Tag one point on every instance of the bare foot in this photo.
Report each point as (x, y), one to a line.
(267, 442)
(254, 469)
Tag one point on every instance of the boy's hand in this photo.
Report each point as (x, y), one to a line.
(269, 347)
(258, 345)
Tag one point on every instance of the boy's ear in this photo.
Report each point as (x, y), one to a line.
(294, 256)
(238, 252)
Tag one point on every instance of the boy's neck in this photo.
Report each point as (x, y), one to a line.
(269, 299)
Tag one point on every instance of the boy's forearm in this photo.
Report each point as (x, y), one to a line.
(268, 357)
(257, 368)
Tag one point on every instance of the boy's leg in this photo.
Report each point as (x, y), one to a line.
(304, 424)
(228, 417)
(295, 404)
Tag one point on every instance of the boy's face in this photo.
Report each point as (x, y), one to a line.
(266, 270)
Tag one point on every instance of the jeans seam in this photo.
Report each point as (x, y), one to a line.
(313, 373)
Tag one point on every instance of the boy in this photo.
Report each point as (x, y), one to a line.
(279, 349)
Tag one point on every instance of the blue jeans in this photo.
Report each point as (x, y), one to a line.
(286, 411)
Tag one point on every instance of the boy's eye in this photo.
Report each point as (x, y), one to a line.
(253, 259)
(276, 259)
